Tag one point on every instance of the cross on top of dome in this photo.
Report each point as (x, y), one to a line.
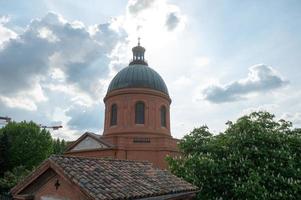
(138, 54)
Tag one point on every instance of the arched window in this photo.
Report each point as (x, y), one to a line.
(163, 116)
(139, 113)
(113, 120)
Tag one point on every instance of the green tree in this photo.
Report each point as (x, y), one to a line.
(256, 157)
(11, 178)
(23, 146)
(59, 146)
(4, 145)
(26, 144)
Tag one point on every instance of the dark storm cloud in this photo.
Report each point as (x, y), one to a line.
(172, 21)
(137, 6)
(261, 78)
(26, 60)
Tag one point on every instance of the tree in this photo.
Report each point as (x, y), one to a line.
(23, 146)
(3, 153)
(26, 144)
(59, 146)
(256, 157)
(11, 178)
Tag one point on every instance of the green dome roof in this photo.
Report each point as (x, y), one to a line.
(138, 76)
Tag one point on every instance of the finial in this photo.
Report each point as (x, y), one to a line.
(138, 54)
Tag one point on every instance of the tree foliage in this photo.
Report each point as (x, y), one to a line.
(11, 178)
(23, 146)
(27, 144)
(4, 156)
(256, 157)
(59, 146)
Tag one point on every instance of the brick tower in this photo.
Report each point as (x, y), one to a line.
(137, 117)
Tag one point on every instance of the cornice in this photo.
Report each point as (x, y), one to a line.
(137, 91)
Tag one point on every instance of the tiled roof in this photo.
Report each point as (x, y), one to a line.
(106, 179)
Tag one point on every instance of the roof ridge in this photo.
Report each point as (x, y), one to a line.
(100, 158)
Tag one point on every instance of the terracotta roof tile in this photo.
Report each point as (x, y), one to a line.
(105, 179)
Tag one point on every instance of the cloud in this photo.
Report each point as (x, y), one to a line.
(137, 6)
(295, 118)
(54, 64)
(146, 18)
(201, 61)
(52, 42)
(19, 113)
(172, 21)
(264, 107)
(86, 118)
(4, 19)
(58, 70)
(5, 33)
(47, 34)
(261, 78)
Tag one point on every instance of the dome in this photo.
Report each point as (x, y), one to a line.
(138, 76)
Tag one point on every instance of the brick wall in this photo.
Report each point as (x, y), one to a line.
(65, 191)
(125, 100)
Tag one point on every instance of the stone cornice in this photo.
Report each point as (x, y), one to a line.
(137, 91)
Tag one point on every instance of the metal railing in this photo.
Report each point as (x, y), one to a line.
(144, 62)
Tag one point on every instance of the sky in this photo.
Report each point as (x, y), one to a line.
(219, 59)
